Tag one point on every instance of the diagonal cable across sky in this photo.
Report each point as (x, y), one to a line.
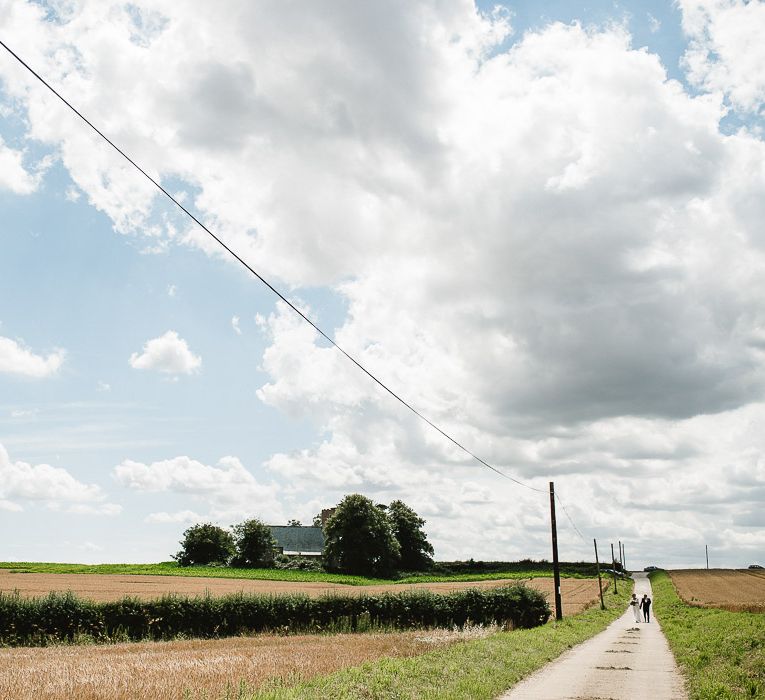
(268, 284)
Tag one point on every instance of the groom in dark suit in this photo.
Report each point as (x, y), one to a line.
(645, 606)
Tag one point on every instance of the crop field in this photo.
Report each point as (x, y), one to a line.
(737, 590)
(719, 651)
(578, 593)
(201, 668)
(235, 667)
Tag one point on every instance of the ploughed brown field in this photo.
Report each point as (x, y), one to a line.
(198, 668)
(738, 590)
(577, 593)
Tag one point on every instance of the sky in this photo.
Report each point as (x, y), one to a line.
(540, 223)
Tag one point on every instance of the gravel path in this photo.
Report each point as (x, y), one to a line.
(627, 661)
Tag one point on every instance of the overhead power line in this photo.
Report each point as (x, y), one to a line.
(573, 524)
(259, 276)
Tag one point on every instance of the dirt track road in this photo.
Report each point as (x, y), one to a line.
(627, 661)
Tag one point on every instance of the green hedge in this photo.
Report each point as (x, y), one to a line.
(63, 617)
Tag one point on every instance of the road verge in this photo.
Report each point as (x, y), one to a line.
(480, 669)
(721, 653)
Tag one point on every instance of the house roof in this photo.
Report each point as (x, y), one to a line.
(294, 538)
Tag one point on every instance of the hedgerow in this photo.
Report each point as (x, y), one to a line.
(66, 618)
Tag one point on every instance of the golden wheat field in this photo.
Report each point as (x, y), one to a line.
(738, 590)
(577, 593)
(199, 668)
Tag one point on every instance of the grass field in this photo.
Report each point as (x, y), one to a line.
(737, 590)
(172, 569)
(721, 653)
(514, 571)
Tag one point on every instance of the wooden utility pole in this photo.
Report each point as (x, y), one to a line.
(706, 547)
(556, 566)
(621, 561)
(613, 563)
(624, 558)
(600, 583)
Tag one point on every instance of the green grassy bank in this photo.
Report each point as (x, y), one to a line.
(477, 669)
(172, 569)
(721, 653)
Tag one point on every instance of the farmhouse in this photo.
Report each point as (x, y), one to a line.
(298, 540)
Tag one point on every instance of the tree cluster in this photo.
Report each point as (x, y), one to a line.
(361, 537)
(248, 544)
(366, 538)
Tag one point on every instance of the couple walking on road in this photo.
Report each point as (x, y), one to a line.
(643, 604)
(624, 662)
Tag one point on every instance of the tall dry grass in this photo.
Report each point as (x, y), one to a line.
(210, 669)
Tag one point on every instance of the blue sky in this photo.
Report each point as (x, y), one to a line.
(513, 221)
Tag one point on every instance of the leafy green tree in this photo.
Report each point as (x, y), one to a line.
(254, 544)
(416, 552)
(205, 543)
(358, 539)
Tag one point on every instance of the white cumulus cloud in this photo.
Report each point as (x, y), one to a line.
(228, 490)
(181, 516)
(13, 175)
(169, 353)
(17, 359)
(98, 509)
(53, 487)
(726, 49)
(10, 506)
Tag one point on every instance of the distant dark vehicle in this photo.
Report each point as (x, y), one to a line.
(756, 566)
(651, 568)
